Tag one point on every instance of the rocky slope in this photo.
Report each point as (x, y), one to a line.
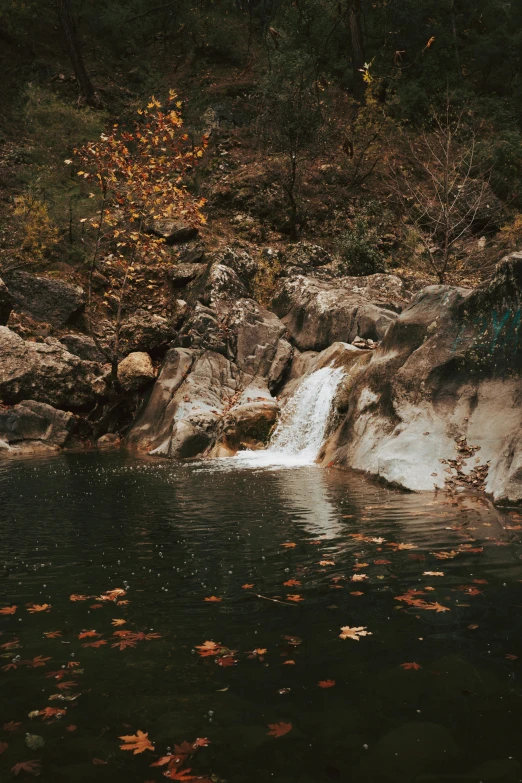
(432, 394)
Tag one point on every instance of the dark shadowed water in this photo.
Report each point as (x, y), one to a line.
(171, 536)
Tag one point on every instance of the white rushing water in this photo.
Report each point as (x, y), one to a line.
(302, 427)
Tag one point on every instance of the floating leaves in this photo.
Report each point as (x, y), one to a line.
(354, 633)
(326, 683)
(411, 666)
(8, 610)
(137, 743)
(33, 767)
(279, 729)
(213, 599)
(32, 608)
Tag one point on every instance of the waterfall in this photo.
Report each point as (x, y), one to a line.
(302, 427)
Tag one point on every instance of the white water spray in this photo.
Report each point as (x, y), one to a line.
(302, 427)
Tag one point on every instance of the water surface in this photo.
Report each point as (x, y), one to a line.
(171, 536)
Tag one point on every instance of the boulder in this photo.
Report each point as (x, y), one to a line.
(173, 231)
(136, 371)
(143, 331)
(45, 372)
(320, 312)
(46, 299)
(6, 303)
(83, 346)
(184, 273)
(31, 427)
(440, 400)
(109, 441)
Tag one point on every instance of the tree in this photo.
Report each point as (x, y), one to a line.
(87, 93)
(357, 49)
(140, 176)
(443, 188)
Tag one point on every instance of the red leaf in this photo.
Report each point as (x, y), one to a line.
(279, 729)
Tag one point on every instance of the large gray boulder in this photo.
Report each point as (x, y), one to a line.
(83, 346)
(136, 371)
(441, 399)
(215, 388)
(45, 372)
(318, 312)
(6, 303)
(143, 331)
(44, 298)
(31, 427)
(173, 231)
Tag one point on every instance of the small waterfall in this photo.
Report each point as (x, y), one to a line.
(302, 427)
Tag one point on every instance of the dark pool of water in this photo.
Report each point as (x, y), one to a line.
(173, 535)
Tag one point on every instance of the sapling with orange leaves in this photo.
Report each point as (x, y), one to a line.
(140, 177)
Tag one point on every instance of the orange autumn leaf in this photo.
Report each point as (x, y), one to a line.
(137, 743)
(294, 597)
(326, 562)
(292, 583)
(124, 643)
(51, 712)
(32, 608)
(33, 767)
(98, 762)
(289, 545)
(8, 610)
(88, 634)
(279, 729)
(246, 587)
(354, 633)
(213, 599)
(357, 592)
(73, 664)
(66, 685)
(95, 606)
(117, 622)
(71, 727)
(52, 634)
(411, 666)
(38, 661)
(289, 662)
(76, 597)
(326, 683)
(96, 644)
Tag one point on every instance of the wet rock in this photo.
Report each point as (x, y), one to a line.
(173, 231)
(32, 427)
(135, 371)
(45, 372)
(319, 312)
(108, 441)
(83, 346)
(45, 299)
(449, 368)
(6, 303)
(143, 331)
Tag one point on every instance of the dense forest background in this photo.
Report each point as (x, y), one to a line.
(389, 132)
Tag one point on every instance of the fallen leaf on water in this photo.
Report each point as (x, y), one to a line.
(279, 729)
(8, 610)
(209, 648)
(32, 608)
(413, 665)
(52, 634)
(71, 727)
(202, 742)
(67, 685)
(246, 587)
(473, 626)
(95, 606)
(3, 747)
(73, 664)
(12, 726)
(437, 607)
(50, 712)
(88, 634)
(75, 597)
(282, 691)
(433, 573)
(112, 595)
(357, 592)
(289, 545)
(292, 583)
(117, 622)
(358, 577)
(213, 599)
(97, 643)
(326, 562)
(33, 767)
(354, 633)
(326, 683)
(480, 581)
(294, 597)
(138, 742)
(289, 662)
(382, 561)
(9, 666)
(98, 762)
(226, 660)
(444, 555)
(260, 650)
(511, 657)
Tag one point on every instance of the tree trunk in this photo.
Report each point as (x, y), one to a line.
(455, 37)
(86, 91)
(357, 48)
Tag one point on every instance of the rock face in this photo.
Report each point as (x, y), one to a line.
(6, 303)
(31, 427)
(173, 231)
(45, 372)
(318, 312)
(45, 299)
(143, 331)
(213, 392)
(135, 371)
(441, 398)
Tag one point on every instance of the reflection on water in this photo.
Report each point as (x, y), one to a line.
(433, 694)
